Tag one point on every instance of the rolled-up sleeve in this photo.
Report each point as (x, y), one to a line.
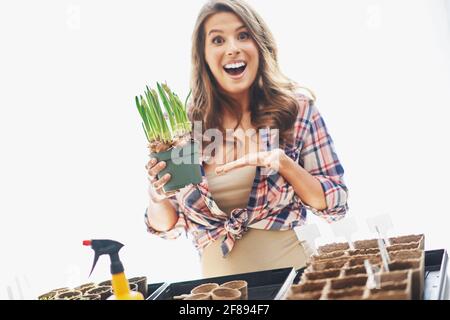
(179, 228)
(319, 158)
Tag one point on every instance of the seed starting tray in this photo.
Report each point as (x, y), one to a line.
(339, 272)
(435, 274)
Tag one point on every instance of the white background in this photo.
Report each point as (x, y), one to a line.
(73, 152)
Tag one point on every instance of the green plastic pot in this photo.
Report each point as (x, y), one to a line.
(182, 163)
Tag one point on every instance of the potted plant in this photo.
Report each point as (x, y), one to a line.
(168, 131)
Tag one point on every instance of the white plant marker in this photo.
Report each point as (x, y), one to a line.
(383, 223)
(384, 254)
(371, 284)
(377, 272)
(10, 293)
(345, 228)
(308, 233)
(19, 288)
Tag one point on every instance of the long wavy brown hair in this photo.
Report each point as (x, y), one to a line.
(272, 95)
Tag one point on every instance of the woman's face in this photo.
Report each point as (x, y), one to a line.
(231, 53)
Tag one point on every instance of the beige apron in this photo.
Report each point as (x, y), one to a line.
(258, 249)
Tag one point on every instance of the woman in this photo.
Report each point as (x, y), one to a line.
(241, 217)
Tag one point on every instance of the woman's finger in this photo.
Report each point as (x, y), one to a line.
(161, 182)
(242, 162)
(252, 159)
(150, 164)
(226, 167)
(157, 169)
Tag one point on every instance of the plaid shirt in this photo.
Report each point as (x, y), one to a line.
(273, 204)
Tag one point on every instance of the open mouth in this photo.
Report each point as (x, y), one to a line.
(235, 69)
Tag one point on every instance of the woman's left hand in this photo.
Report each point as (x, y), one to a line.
(267, 159)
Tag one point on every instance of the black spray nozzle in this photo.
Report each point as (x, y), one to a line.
(109, 247)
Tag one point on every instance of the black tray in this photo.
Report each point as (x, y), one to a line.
(435, 274)
(153, 288)
(262, 285)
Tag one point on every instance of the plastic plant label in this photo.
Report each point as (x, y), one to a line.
(371, 284)
(308, 233)
(377, 272)
(381, 224)
(384, 254)
(345, 228)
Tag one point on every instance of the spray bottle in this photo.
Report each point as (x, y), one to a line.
(120, 283)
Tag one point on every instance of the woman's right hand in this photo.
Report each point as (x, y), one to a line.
(155, 190)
